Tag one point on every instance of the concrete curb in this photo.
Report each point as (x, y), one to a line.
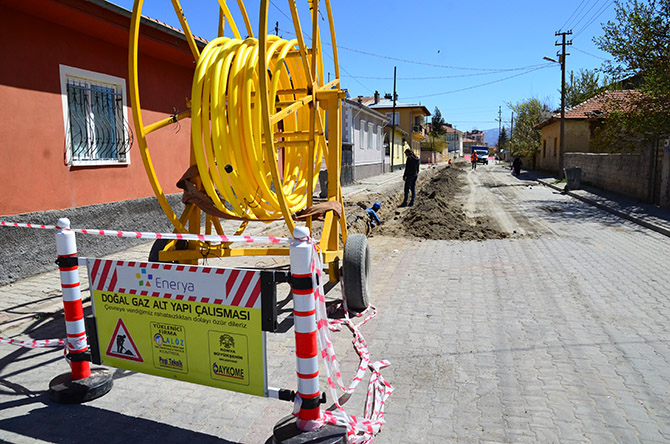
(657, 228)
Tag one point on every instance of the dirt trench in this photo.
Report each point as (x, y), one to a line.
(438, 212)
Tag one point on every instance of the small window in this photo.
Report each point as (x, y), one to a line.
(371, 128)
(379, 135)
(362, 135)
(555, 146)
(397, 118)
(96, 118)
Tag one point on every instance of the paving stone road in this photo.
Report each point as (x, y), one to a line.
(559, 335)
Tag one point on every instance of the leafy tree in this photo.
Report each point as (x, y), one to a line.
(525, 139)
(502, 138)
(639, 41)
(437, 131)
(581, 87)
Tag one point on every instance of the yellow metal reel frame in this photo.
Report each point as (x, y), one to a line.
(318, 97)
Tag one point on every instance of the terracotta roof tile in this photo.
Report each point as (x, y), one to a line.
(593, 108)
(597, 106)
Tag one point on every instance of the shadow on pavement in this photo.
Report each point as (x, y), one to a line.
(574, 211)
(82, 424)
(77, 424)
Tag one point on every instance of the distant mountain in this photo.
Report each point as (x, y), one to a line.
(491, 136)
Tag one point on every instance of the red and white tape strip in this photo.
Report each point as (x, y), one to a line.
(33, 344)
(169, 236)
(359, 430)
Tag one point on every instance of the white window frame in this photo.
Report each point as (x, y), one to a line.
(371, 129)
(379, 137)
(397, 118)
(361, 139)
(118, 84)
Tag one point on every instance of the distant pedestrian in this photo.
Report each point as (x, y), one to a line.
(473, 159)
(516, 166)
(409, 176)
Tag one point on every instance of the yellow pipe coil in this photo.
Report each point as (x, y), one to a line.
(227, 129)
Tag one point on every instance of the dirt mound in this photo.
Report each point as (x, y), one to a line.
(437, 213)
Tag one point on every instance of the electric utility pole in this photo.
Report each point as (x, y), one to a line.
(499, 125)
(561, 59)
(393, 118)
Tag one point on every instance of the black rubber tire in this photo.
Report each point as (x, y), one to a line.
(158, 246)
(356, 272)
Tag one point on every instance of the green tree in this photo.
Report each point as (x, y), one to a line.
(502, 138)
(526, 139)
(639, 42)
(581, 87)
(437, 131)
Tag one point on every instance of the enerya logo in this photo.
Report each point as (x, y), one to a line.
(144, 278)
(169, 284)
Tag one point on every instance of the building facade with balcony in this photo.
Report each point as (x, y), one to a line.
(409, 117)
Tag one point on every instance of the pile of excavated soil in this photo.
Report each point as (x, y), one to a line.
(437, 213)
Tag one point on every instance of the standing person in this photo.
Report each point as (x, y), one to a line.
(516, 166)
(409, 176)
(473, 159)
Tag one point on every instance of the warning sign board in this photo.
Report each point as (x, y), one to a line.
(197, 324)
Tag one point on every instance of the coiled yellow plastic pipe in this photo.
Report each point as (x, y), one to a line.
(227, 129)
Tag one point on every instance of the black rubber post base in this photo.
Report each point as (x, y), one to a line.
(63, 390)
(286, 431)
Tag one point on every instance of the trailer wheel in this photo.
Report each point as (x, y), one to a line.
(356, 272)
(159, 244)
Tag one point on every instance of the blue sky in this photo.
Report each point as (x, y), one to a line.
(466, 58)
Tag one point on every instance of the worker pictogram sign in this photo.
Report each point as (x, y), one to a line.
(121, 344)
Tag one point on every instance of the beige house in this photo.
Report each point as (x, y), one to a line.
(468, 143)
(395, 155)
(409, 117)
(454, 141)
(580, 123)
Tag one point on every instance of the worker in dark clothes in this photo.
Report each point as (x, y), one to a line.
(516, 166)
(409, 176)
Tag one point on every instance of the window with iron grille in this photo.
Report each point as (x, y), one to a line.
(96, 121)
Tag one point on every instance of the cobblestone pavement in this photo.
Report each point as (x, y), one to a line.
(561, 335)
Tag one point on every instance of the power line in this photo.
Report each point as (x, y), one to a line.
(430, 64)
(416, 62)
(453, 76)
(573, 13)
(595, 17)
(280, 10)
(355, 79)
(586, 13)
(328, 54)
(478, 86)
(588, 53)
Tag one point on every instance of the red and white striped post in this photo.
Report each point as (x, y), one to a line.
(308, 423)
(66, 248)
(81, 384)
(304, 315)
